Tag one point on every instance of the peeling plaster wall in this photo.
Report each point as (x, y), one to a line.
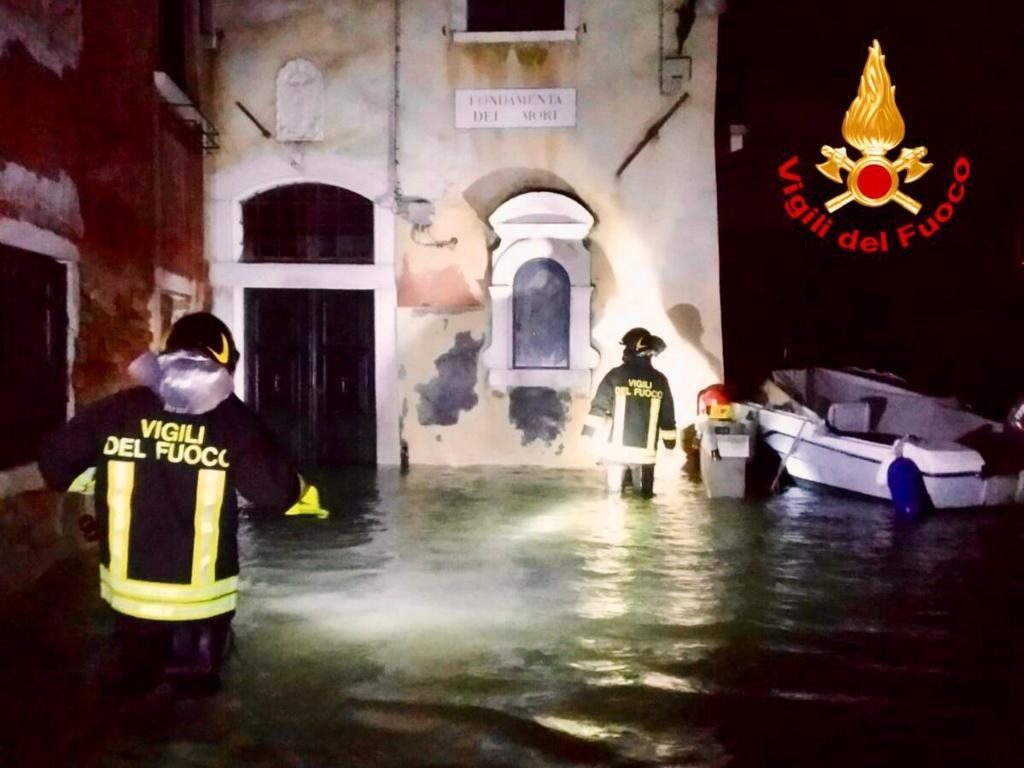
(50, 204)
(501, 428)
(453, 389)
(539, 413)
(349, 42)
(50, 30)
(95, 171)
(654, 247)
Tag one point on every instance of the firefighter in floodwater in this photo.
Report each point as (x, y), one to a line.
(168, 458)
(631, 410)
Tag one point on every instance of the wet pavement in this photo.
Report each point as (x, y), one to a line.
(519, 617)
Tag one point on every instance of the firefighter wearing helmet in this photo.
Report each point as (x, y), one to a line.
(631, 410)
(169, 456)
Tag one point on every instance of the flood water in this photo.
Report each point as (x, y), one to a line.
(519, 617)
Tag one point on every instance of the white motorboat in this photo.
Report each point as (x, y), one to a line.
(845, 428)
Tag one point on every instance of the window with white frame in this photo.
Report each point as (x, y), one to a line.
(476, 21)
(540, 295)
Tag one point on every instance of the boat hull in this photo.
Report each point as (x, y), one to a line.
(952, 473)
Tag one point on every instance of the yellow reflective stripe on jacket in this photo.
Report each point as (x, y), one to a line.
(209, 496)
(204, 596)
(668, 434)
(619, 417)
(142, 609)
(168, 602)
(174, 593)
(652, 425)
(120, 483)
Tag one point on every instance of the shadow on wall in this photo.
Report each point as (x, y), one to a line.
(605, 284)
(688, 324)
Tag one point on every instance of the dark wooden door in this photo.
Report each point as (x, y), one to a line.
(310, 372)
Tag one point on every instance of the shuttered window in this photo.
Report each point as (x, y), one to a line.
(518, 16)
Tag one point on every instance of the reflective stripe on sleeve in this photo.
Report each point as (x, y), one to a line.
(619, 418)
(120, 484)
(209, 497)
(652, 424)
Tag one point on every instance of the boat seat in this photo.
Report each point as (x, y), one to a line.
(849, 417)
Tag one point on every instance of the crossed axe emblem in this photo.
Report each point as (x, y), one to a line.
(873, 180)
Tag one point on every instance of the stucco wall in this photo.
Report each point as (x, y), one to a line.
(94, 171)
(654, 246)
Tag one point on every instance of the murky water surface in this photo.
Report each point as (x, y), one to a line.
(522, 618)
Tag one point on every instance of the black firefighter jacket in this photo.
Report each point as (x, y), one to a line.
(165, 497)
(631, 409)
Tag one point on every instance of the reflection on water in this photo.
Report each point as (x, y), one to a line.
(521, 617)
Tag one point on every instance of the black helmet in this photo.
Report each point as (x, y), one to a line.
(204, 333)
(639, 342)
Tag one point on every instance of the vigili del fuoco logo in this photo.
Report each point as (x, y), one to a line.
(873, 126)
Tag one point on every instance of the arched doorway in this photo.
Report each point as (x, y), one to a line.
(309, 352)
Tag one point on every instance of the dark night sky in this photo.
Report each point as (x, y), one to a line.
(949, 312)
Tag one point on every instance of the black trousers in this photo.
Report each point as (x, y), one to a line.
(144, 653)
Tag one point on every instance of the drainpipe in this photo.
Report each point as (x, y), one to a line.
(395, 188)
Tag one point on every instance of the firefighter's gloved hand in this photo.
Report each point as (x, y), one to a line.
(308, 503)
(670, 444)
(85, 483)
(89, 528)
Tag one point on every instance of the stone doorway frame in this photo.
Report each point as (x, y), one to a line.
(229, 276)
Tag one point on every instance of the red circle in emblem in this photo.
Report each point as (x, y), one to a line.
(874, 181)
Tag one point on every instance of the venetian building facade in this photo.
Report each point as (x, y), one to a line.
(102, 147)
(430, 221)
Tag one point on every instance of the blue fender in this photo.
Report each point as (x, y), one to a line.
(906, 487)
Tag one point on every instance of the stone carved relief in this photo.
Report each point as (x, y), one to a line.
(300, 102)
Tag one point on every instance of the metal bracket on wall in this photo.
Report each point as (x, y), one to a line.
(262, 128)
(178, 100)
(652, 133)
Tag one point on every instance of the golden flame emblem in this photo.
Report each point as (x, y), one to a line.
(873, 124)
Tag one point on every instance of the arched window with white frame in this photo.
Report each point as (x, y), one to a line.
(540, 295)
